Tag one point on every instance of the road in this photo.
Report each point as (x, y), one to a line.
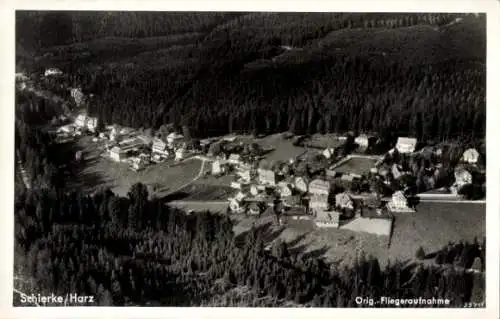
(451, 201)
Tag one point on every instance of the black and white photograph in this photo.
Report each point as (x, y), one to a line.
(257, 159)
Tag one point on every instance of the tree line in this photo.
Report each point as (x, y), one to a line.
(133, 250)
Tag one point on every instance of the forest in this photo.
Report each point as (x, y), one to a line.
(420, 75)
(135, 250)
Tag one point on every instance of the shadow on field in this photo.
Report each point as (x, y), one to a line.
(175, 196)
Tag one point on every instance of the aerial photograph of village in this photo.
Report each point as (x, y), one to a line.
(250, 159)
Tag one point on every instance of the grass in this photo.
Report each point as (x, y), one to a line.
(283, 148)
(432, 227)
(206, 192)
(100, 172)
(356, 165)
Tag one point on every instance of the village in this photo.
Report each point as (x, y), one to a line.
(340, 184)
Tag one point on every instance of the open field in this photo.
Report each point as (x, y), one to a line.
(100, 172)
(283, 148)
(432, 227)
(322, 141)
(199, 191)
(357, 165)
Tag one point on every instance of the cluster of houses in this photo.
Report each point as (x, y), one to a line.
(140, 150)
(300, 197)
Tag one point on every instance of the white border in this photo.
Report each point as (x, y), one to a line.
(7, 22)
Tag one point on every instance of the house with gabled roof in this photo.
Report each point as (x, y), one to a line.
(344, 201)
(406, 145)
(399, 203)
(471, 156)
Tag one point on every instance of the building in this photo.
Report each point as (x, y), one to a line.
(68, 129)
(471, 156)
(81, 121)
(236, 204)
(329, 152)
(344, 201)
(21, 77)
(254, 209)
(266, 177)
(179, 154)
(235, 185)
(406, 145)
(284, 189)
(301, 184)
(319, 187)
(53, 72)
(399, 203)
(318, 203)
(234, 159)
(462, 177)
(117, 154)
(138, 163)
(363, 141)
(77, 95)
(325, 218)
(159, 147)
(174, 139)
(92, 124)
(219, 167)
(245, 174)
(254, 190)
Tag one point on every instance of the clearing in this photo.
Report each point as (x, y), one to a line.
(100, 172)
(432, 227)
(355, 164)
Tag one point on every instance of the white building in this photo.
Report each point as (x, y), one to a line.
(406, 145)
(326, 218)
(462, 177)
(319, 187)
(179, 154)
(117, 154)
(77, 95)
(362, 140)
(219, 167)
(471, 156)
(159, 147)
(92, 124)
(81, 121)
(328, 153)
(302, 184)
(174, 139)
(266, 177)
(52, 72)
(284, 189)
(399, 203)
(254, 209)
(234, 159)
(254, 190)
(245, 174)
(344, 201)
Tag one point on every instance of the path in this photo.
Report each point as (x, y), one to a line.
(200, 173)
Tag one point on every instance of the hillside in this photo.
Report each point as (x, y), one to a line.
(413, 74)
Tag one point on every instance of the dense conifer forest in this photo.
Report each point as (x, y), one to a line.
(410, 74)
